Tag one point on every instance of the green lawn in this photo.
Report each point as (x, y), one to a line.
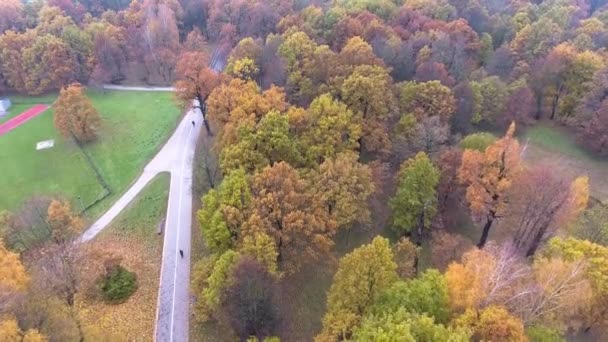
(554, 145)
(135, 125)
(141, 217)
(556, 139)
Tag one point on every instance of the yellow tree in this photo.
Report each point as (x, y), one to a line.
(343, 185)
(10, 332)
(488, 175)
(329, 128)
(493, 323)
(13, 276)
(75, 116)
(368, 92)
(595, 257)
(231, 105)
(485, 276)
(63, 223)
(286, 211)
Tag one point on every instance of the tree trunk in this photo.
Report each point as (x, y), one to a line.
(486, 231)
(536, 241)
(201, 104)
(555, 102)
(420, 229)
(539, 103)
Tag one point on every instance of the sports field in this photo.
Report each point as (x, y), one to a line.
(135, 125)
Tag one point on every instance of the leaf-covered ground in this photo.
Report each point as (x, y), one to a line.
(133, 238)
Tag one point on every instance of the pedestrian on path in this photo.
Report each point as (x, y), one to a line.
(181, 253)
(193, 123)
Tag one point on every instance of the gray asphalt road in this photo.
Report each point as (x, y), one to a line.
(173, 296)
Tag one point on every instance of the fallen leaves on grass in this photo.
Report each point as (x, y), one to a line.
(134, 319)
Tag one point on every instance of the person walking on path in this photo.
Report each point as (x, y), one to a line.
(181, 253)
(193, 123)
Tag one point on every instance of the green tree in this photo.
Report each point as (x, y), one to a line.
(268, 142)
(224, 210)
(330, 128)
(362, 276)
(425, 295)
(477, 141)
(539, 333)
(210, 280)
(415, 202)
(489, 96)
(401, 325)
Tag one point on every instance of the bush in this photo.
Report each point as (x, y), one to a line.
(118, 284)
(477, 141)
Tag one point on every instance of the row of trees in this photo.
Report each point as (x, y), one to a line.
(61, 46)
(509, 68)
(521, 61)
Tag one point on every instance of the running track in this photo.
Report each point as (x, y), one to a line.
(22, 118)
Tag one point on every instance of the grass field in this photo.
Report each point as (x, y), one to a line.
(132, 236)
(549, 143)
(135, 124)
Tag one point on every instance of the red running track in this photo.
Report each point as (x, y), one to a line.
(22, 118)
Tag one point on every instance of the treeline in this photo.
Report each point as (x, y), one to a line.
(356, 114)
(504, 59)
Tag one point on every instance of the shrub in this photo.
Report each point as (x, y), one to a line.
(477, 141)
(118, 284)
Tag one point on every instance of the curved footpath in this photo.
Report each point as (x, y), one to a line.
(176, 157)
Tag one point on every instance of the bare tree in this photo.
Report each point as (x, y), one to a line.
(558, 293)
(538, 198)
(58, 267)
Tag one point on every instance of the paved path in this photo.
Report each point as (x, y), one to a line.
(22, 118)
(176, 157)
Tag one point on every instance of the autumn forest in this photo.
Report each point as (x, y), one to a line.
(368, 170)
